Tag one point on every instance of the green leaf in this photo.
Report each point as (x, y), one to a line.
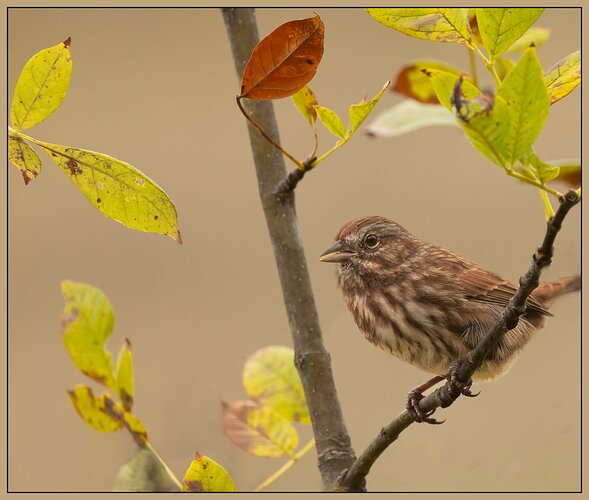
(93, 409)
(305, 101)
(412, 80)
(359, 112)
(87, 322)
(125, 375)
(487, 130)
(206, 475)
(437, 25)
(41, 86)
(407, 116)
(117, 189)
(22, 156)
(525, 94)
(143, 472)
(258, 429)
(501, 27)
(535, 36)
(331, 121)
(544, 172)
(270, 377)
(444, 83)
(562, 78)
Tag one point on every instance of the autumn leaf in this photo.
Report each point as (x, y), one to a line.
(206, 475)
(87, 322)
(22, 156)
(305, 101)
(117, 189)
(562, 78)
(124, 375)
(437, 25)
(270, 377)
(412, 80)
(285, 61)
(93, 409)
(258, 429)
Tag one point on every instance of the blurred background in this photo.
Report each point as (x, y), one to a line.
(156, 89)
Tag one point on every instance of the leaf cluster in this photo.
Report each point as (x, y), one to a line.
(118, 190)
(263, 424)
(502, 125)
(87, 322)
(282, 65)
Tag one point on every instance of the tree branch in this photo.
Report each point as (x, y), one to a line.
(354, 478)
(313, 362)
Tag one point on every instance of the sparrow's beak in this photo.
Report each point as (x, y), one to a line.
(338, 252)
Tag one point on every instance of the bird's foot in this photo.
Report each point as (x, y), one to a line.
(456, 386)
(413, 398)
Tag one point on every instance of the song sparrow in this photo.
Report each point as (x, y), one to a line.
(426, 305)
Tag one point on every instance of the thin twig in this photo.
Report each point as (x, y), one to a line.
(353, 478)
(259, 128)
(312, 360)
(293, 460)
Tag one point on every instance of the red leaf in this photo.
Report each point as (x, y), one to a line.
(285, 61)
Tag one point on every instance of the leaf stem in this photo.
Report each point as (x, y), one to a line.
(533, 182)
(165, 466)
(298, 163)
(548, 209)
(338, 145)
(473, 67)
(293, 460)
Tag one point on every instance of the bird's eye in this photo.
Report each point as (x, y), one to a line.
(371, 241)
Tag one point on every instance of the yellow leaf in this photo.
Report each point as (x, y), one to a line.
(93, 409)
(136, 428)
(562, 78)
(117, 189)
(331, 121)
(87, 322)
(359, 112)
(206, 475)
(269, 376)
(125, 375)
(41, 86)
(22, 156)
(258, 429)
(437, 25)
(305, 101)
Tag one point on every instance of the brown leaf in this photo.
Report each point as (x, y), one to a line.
(285, 61)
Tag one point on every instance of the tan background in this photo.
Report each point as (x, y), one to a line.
(155, 88)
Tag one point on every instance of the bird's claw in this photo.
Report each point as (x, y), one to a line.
(456, 386)
(415, 411)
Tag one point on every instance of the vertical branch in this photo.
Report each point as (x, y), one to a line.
(313, 362)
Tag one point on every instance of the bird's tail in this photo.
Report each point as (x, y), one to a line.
(547, 292)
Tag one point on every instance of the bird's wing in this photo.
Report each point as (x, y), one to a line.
(479, 284)
(484, 286)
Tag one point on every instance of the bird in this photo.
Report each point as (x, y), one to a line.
(429, 306)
